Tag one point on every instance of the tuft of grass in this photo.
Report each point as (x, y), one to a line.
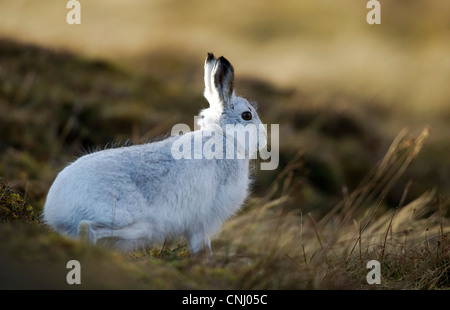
(13, 207)
(411, 241)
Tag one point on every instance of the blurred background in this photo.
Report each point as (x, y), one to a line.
(340, 89)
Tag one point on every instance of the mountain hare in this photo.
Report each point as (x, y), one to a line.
(141, 194)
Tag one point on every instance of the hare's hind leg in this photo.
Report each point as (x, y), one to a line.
(207, 244)
(124, 238)
(200, 241)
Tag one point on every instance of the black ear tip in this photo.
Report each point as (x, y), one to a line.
(224, 62)
(210, 57)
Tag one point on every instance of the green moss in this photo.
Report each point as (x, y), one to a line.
(13, 207)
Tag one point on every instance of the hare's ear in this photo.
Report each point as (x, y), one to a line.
(209, 65)
(223, 81)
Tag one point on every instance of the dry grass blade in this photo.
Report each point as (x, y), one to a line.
(383, 249)
(294, 164)
(381, 179)
(362, 229)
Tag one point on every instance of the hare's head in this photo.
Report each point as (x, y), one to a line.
(225, 108)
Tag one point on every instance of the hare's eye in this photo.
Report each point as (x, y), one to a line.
(246, 116)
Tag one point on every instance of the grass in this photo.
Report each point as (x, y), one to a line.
(266, 247)
(399, 238)
(13, 207)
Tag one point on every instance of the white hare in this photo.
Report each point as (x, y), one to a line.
(141, 194)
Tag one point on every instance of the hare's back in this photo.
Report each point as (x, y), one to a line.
(88, 187)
